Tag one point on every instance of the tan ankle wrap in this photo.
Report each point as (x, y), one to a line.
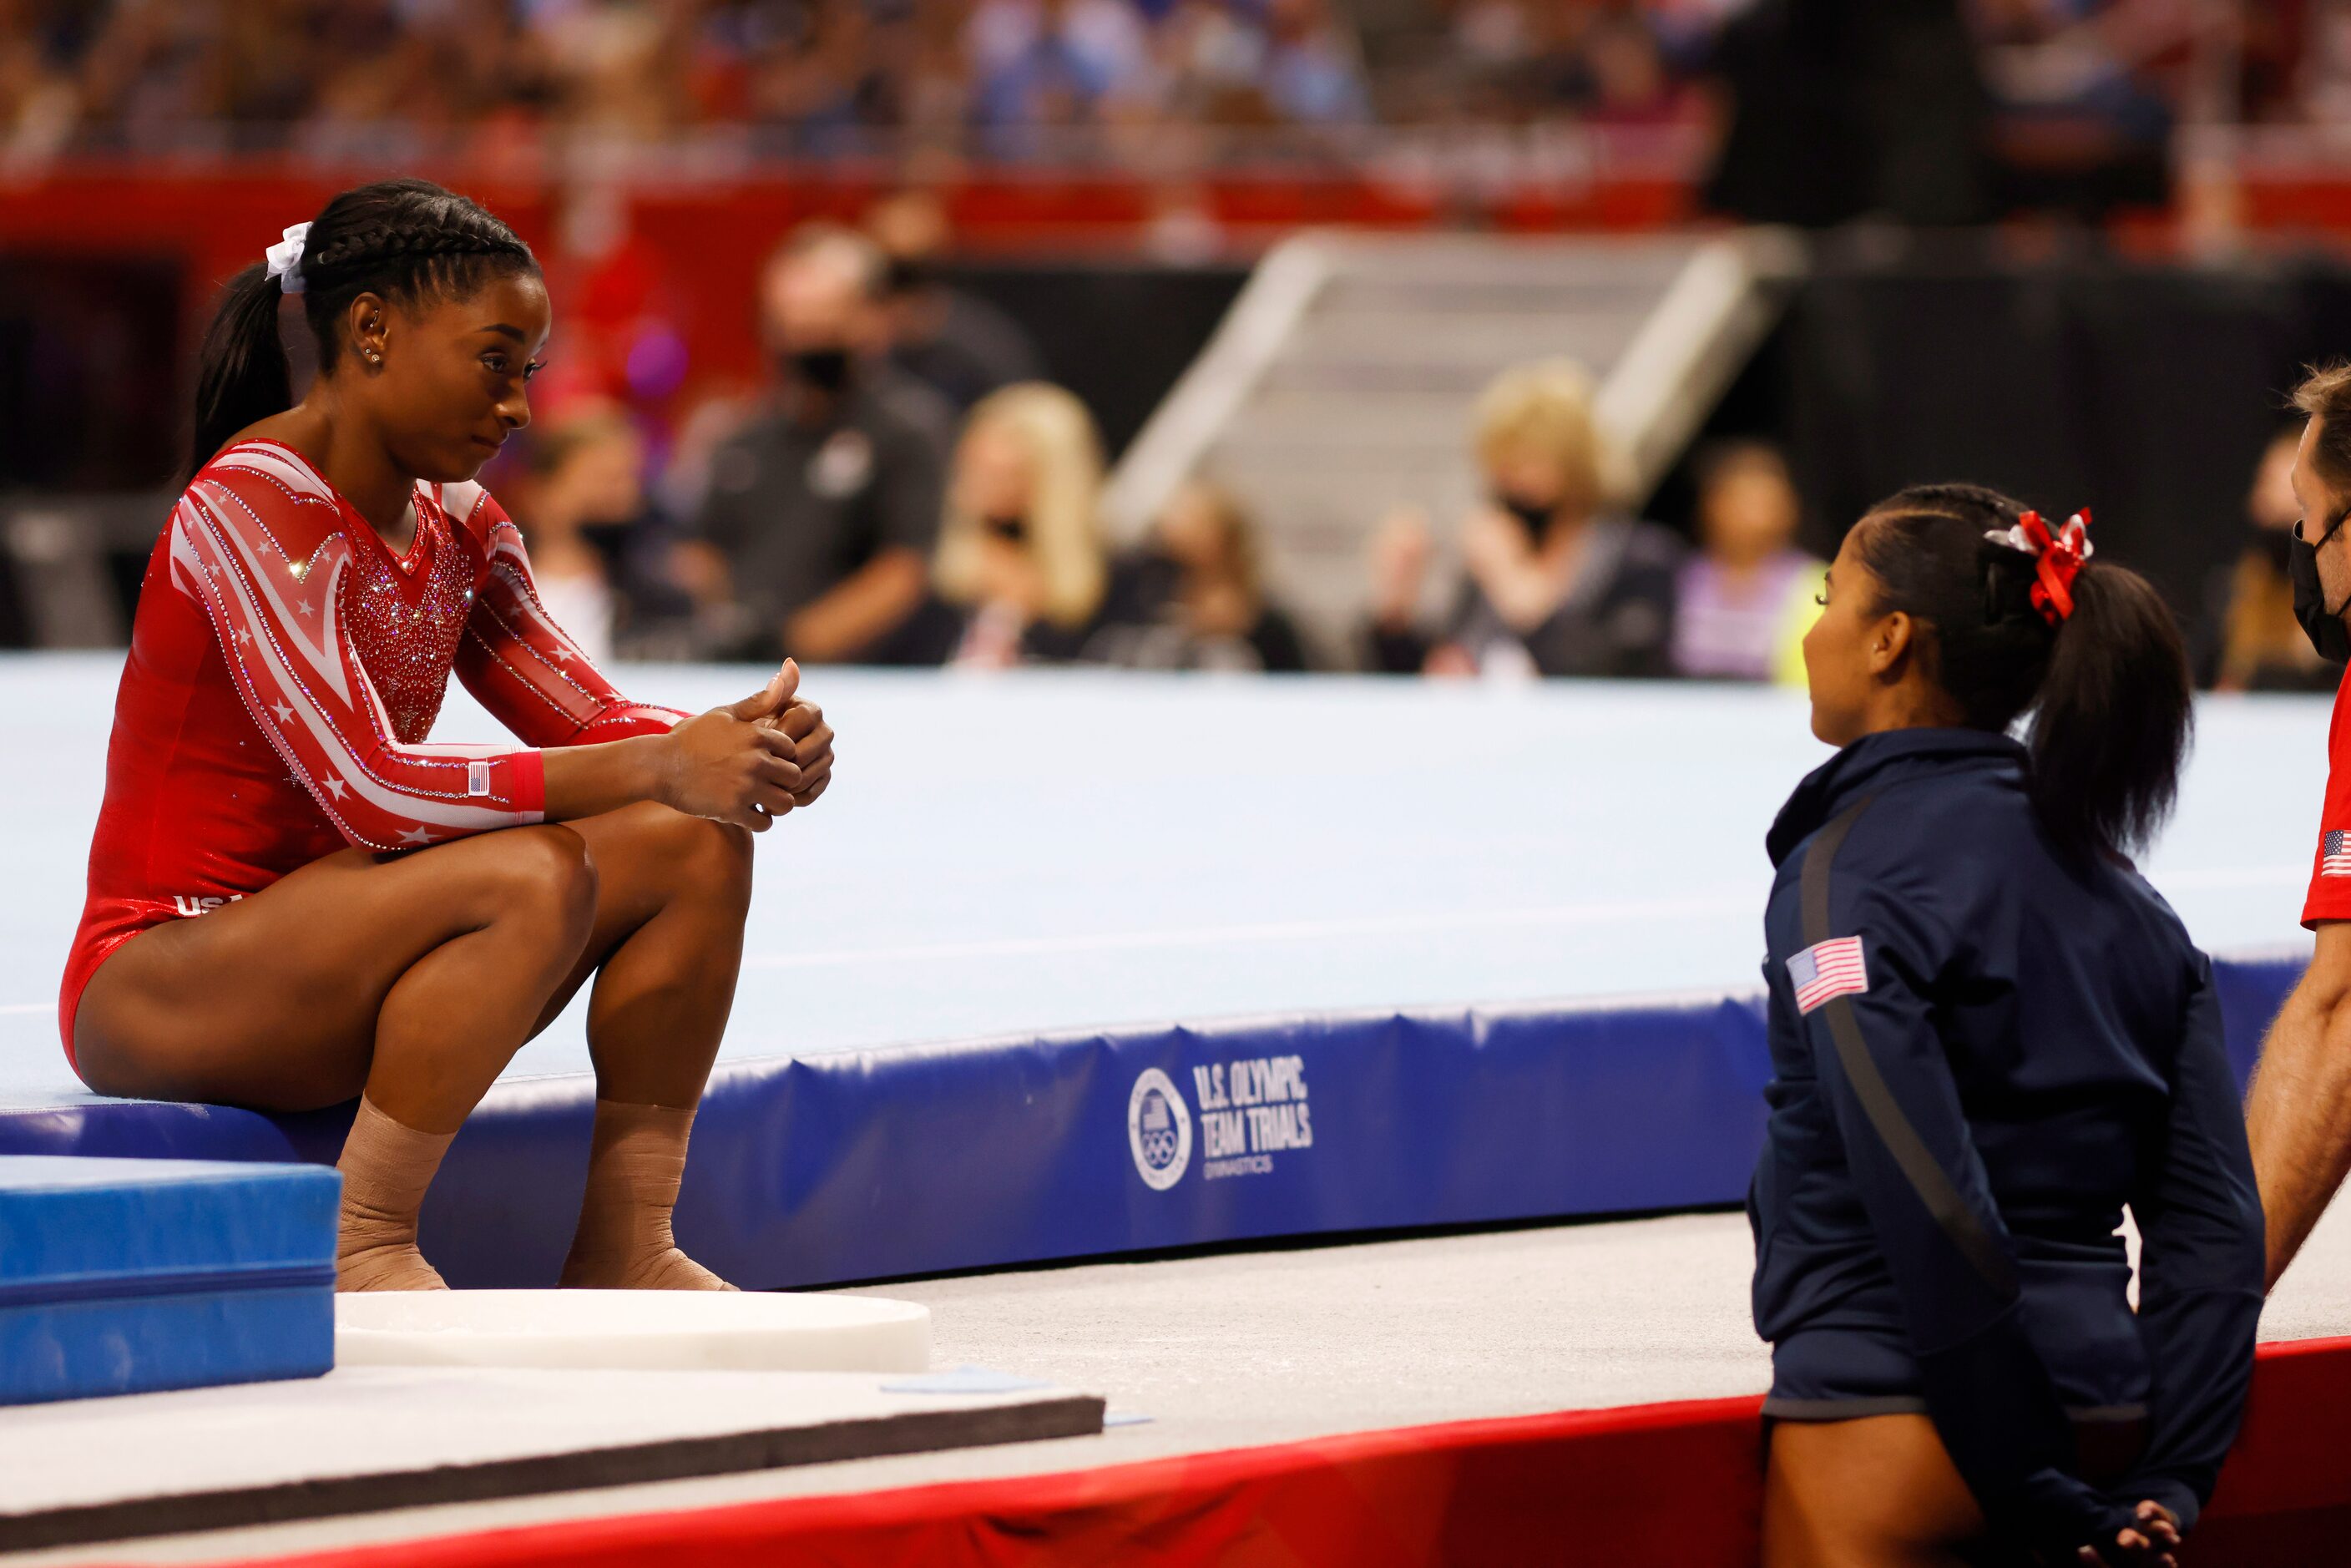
(634, 1165)
(386, 1167)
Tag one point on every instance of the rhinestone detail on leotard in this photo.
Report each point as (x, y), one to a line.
(407, 614)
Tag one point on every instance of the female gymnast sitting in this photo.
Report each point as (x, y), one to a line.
(1988, 1035)
(293, 898)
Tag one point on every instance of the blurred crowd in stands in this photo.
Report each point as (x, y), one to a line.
(908, 490)
(1000, 76)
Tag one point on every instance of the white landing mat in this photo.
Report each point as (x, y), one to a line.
(637, 1331)
(366, 1439)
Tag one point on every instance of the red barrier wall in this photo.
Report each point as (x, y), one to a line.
(693, 246)
(1677, 1486)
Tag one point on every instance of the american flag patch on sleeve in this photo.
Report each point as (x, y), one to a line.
(1826, 971)
(2334, 854)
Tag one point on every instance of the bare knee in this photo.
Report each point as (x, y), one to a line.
(723, 865)
(709, 861)
(544, 876)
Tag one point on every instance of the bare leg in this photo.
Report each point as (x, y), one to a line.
(413, 978)
(664, 949)
(416, 977)
(1877, 1492)
(667, 945)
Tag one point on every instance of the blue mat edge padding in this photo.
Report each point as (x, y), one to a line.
(987, 1154)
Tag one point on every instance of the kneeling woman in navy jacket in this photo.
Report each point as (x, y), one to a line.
(1988, 1035)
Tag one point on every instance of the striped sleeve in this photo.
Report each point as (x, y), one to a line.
(516, 660)
(278, 622)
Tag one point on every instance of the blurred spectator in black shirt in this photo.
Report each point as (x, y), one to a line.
(584, 492)
(1192, 598)
(960, 346)
(814, 534)
(2250, 639)
(1021, 568)
(1555, 586)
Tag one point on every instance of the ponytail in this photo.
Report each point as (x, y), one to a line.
(2112, 721)
(401, 240)
(242, 374)
(2105, 679)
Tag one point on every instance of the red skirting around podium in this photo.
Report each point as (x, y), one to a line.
(1675, 1485)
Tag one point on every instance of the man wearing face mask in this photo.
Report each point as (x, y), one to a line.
(1555, 586)
(952, 342)
(814, 536)
(2299, 1112)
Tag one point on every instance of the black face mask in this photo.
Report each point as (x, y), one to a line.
(909, 275)
(1533, 517)
(826, 369)
(2324, 627)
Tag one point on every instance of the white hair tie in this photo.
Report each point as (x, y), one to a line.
(286, 259)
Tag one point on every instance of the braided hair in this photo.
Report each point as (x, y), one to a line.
(405, 240)
(2107, 685)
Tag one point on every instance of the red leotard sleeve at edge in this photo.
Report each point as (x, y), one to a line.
(516, 660)
(2330, 867)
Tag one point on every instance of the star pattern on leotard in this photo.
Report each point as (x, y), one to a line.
(368, 639)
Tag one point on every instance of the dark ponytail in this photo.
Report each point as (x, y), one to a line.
(404, 240)
(242, 375)
(2108, 687)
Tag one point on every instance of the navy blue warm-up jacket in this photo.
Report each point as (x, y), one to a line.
(1982, 1049)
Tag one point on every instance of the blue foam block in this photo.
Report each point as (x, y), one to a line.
(129, 1276)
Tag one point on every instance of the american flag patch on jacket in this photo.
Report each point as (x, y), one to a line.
(2335, 856)
(1830, 969)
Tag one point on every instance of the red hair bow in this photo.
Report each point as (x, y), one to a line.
(2057, 560)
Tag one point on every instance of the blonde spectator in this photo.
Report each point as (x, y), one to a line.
(585, 473)
(2252, 642)
(1557, 585)
(1021, 568)
(1743, 605)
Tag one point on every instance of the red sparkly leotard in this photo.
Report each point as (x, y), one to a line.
(285, 666)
